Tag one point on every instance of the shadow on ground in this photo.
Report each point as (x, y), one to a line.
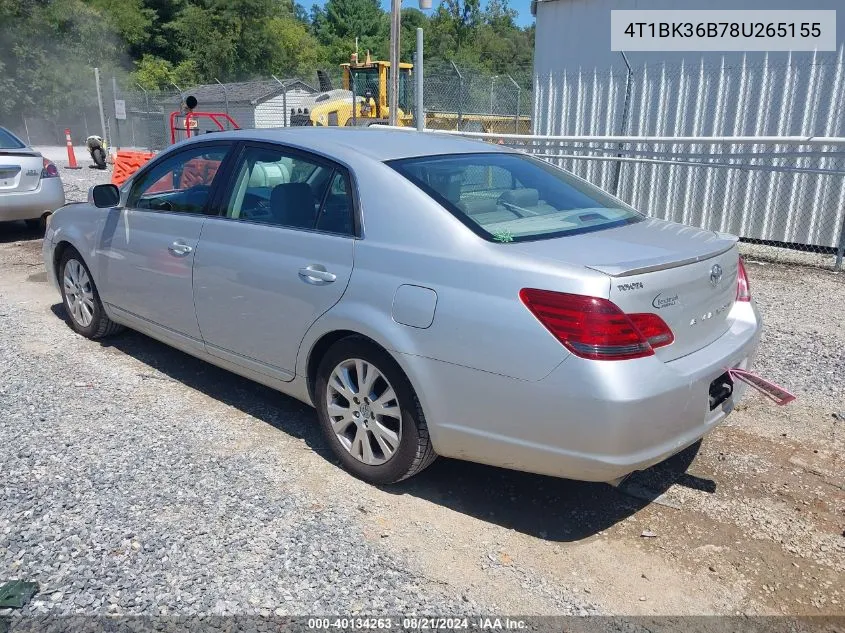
(18, 232)
(544, 507)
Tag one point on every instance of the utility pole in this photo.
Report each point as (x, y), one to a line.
(393, 93)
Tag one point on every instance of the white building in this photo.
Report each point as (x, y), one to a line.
(252, 104)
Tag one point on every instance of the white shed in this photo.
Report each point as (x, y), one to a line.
(253, 104)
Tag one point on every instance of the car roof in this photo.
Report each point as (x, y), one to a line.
(349, 143)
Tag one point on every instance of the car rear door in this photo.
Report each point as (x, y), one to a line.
(278, 257)
(147, 248)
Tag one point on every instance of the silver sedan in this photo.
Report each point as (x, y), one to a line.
(30, 186)
(428, 295)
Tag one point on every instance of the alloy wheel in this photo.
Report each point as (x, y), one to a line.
(364, 411)
(79, 293)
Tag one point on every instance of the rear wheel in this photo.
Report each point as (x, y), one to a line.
(370, 414)
(81, 299)
(99, 157)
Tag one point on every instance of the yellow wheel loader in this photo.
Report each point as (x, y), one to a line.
(363, 99)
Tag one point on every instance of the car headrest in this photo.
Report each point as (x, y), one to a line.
(258, 176)
(476, 206)
(292, 204)
(521, 197)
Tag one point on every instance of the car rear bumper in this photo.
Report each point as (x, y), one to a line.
(29, 205)
(587, 420)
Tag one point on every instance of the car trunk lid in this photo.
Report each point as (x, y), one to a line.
(687, 276)
(20, 170)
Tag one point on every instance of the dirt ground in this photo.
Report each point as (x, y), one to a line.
(752, 522)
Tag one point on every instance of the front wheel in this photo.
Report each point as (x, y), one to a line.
(81, 299)
(370, 414)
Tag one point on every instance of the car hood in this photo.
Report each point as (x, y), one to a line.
(641, 247)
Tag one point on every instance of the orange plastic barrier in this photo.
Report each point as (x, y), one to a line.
(198, 171)
(126, 164)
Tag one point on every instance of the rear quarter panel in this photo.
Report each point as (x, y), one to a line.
(479, 320)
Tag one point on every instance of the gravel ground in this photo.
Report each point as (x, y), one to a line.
(77, 181)
(118, 500)
(139, 480)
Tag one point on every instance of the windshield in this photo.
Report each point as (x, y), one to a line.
(9, 140)
(513, 197)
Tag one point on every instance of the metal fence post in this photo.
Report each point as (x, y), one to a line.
(225, 97)
(460, 95)
(419, 71)
(623, 131)
(840, 251)
(518, 93)
(114, 106)
(26, 127)
(286, 114)
(100, 103)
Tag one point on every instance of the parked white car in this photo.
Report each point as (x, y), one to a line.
(30, 185)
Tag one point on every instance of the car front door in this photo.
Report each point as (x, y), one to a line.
(147, 247)
(278, 257)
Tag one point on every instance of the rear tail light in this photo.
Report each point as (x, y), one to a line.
(49, 170)
(595, 328)
(743, 289)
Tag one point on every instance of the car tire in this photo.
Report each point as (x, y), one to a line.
(99, 157)
(81, 299)
(403, 421)
(37, 224)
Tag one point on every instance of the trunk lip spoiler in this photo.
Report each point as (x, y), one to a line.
(23, 153)
(640, 268)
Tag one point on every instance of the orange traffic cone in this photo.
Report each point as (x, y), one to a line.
(71, 157)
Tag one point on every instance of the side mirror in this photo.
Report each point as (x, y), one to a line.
(105, 196)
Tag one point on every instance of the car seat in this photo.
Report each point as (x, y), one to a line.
(292, 204)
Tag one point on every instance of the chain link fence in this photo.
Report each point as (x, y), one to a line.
(456, 97)
(784, 198)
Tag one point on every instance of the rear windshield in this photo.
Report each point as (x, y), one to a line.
(513, 197)
(9, 140)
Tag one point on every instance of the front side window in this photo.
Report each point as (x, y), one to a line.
(277, 187)
(511, 197)
(180, 183)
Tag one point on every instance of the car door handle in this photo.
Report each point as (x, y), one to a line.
(316, 274)
(179, 249)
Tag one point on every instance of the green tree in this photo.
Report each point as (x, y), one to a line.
(340, 22)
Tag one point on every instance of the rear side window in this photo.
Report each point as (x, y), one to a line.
(9, 140)
(282, 188)
(512, 197)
